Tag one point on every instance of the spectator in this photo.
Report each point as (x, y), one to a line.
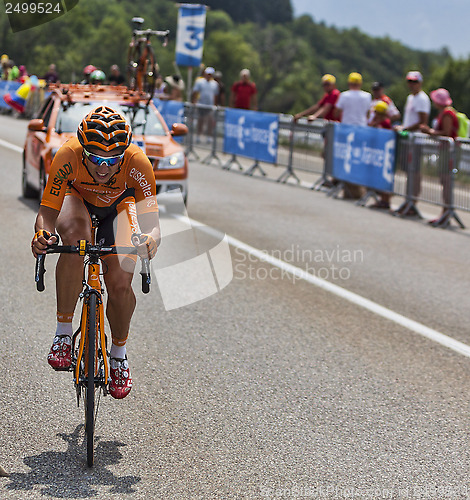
(160, 88)
(51, 76)
(381, 119)
(417, 109)
(13, 72)
(175, 88)
(325, 106)
(378, 95)
(87, 71)
(244, 94)
(220, 99)
(418, 105)
(23, 76)
(97, 77)
(116, 78)
(353, 106)
(4, 61)
(206, 90)
(447, 125)
(380, 116)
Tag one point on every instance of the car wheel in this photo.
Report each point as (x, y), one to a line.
(27, 190)
(42, 181)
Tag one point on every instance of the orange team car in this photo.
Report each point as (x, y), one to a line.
(62, 111)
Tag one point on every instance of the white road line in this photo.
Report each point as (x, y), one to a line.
(352, 297)
(11, 146)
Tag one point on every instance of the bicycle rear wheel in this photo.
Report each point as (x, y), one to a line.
(90, 385)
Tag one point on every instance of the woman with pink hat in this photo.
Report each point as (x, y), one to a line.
(447, 125)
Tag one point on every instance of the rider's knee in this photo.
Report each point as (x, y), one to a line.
(72, 230)
(118, 286)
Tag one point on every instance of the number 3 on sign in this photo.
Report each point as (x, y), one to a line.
(196, 36)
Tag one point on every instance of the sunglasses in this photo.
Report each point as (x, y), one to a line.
(109, 161)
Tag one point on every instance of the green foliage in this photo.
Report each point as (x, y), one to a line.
(286, 56)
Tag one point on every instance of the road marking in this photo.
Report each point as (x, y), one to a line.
(352, 297)
(11, 146)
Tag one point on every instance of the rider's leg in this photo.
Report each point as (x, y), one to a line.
(119, 310)
(72, 224)
(121, 298)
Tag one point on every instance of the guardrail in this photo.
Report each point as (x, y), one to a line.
(425, 168)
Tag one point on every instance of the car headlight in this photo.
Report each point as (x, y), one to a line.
(176, 160)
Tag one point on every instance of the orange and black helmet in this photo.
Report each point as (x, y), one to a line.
(105, 129)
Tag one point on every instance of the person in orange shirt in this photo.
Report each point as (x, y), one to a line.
(100, 172)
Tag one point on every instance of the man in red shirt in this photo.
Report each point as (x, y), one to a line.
(325, 106)
(244, 94)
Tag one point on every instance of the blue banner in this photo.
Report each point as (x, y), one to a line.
(7, 87)
(251, 134)
(364, 156)
(190, 34)
(172, 112)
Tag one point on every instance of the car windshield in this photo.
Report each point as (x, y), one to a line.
(144, 121)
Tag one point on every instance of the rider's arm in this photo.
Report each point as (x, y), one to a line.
(60, 173)
(45, 223)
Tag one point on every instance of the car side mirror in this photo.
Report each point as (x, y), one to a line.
(178, 129)
(36, 125)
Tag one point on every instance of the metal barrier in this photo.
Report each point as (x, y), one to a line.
(300, 145)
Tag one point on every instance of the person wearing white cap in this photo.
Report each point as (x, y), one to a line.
(205, 91)
(418, 104)
(417, 109)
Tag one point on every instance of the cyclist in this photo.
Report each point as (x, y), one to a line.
(100, 172)
(97, 76)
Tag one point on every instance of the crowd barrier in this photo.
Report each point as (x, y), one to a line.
(414, 166)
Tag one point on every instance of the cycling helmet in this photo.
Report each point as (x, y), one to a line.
(105, 129)
(88, 70)
(97, 76)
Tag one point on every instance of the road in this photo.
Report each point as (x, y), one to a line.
(271, 388)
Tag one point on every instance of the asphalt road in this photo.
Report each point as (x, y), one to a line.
(270, 388)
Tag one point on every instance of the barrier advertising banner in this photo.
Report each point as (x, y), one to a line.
(251, 134)
(364, 156)
(190, 34)
(172, 112)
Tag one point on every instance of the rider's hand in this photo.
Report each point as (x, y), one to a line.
(146, 245)
(42, 239)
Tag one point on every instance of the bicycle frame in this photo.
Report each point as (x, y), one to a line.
(92, 285)
(141, 58)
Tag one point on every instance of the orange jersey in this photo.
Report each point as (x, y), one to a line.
(68, 170)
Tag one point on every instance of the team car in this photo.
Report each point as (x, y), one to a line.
(64, 108)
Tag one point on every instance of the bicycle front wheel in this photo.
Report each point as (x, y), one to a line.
(90, 385)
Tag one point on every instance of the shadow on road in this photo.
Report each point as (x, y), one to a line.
(64, 474)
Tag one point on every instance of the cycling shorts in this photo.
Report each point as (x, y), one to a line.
(117, 222)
